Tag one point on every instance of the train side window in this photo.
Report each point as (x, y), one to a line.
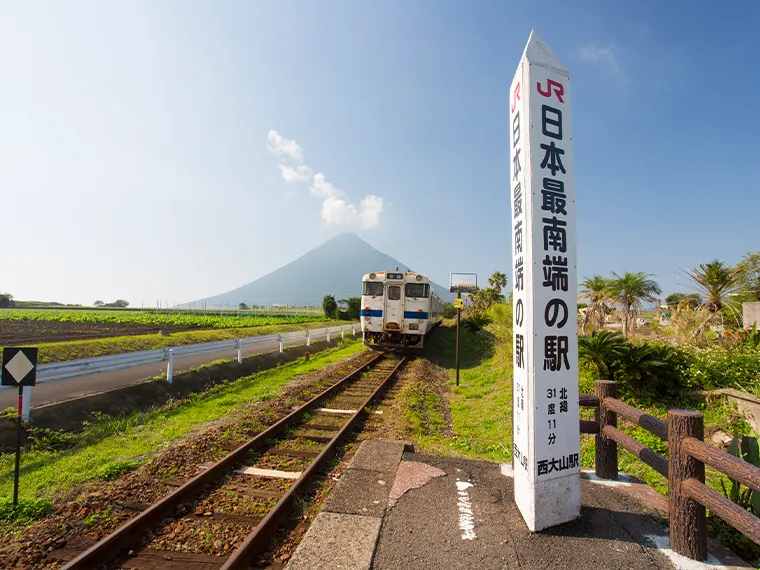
(373, 288)
(417, 290)
(394, 293)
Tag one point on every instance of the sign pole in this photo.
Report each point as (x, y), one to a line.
(459, 283)
(19, 369)
(18, 446)
(459, 317)
(546, 438)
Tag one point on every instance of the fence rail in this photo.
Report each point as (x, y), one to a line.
(75, 368)
(684, 467)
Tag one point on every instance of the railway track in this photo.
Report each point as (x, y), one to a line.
(247, 494)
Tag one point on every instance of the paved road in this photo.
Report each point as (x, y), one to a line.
(59, 390)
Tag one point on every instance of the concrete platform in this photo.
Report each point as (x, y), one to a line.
(426, 512)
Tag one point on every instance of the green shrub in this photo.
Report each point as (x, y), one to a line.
(116, 469)
(26, 510)
(44, 439)
(719, 367)
(477, 321)
(10, 413)
(449, 312)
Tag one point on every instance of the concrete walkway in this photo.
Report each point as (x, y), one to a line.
(398, 510)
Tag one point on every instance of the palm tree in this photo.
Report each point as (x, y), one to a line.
(717, 284)
(497, 281)
(631, 291)
(596, 292)
(601, 351)
(642, 364)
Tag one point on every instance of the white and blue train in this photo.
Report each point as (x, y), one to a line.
(398, 309)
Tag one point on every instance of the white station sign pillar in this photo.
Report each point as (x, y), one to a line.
(546, 438)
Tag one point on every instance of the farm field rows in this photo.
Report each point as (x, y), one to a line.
(89, 324)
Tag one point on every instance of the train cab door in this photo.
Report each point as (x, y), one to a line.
(393, 315)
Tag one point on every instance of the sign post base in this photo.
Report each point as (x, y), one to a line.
(551, 502)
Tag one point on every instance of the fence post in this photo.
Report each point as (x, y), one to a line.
(688, 527)
(606, 449)
(26, 404)
(170, 366)
(308, 338)
(240, 351)
(353, 330)
(328, 334)
(282, 339)
(342, 331)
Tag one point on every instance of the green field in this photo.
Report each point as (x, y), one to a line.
(160, 318)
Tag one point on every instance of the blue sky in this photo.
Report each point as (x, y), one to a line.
(136, 159)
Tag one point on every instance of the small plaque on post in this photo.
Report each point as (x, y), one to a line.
(463, 283)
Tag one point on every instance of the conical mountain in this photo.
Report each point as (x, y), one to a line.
(334, 268)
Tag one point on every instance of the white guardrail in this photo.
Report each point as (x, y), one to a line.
(83, 367)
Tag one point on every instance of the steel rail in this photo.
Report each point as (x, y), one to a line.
(110, 547)
(259, 537)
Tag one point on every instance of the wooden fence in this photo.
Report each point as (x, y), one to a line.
(684, 467)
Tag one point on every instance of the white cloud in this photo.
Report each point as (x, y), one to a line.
(300, 173)
(279, 145)
(339, 212)
(336, 209)
(321, 188)
(603, 55)
(370, 210)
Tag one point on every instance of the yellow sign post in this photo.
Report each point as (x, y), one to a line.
(461, 283)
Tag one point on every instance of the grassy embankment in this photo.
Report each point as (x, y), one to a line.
(475, 419)
(471, 420)
(63, 351)
(111, 446)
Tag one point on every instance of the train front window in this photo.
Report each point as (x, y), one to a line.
(394, 293)
(373, 288)
(417, 290)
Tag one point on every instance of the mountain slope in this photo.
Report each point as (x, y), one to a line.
(334, 268)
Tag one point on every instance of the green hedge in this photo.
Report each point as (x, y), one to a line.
(719, 367)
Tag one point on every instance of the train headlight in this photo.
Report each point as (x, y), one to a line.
(372, 275)
(414, 327)
(419, 278)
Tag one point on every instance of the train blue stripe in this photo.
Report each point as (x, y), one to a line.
(371, 313)
(415, 315)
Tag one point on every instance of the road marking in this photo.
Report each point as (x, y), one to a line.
(623, 480)
(681, 562)
(466, 520)
(274, 473)
(335, 411)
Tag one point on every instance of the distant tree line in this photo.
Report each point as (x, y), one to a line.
(343, 309)
(118, 303)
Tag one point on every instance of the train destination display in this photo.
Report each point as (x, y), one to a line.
(546, 439)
